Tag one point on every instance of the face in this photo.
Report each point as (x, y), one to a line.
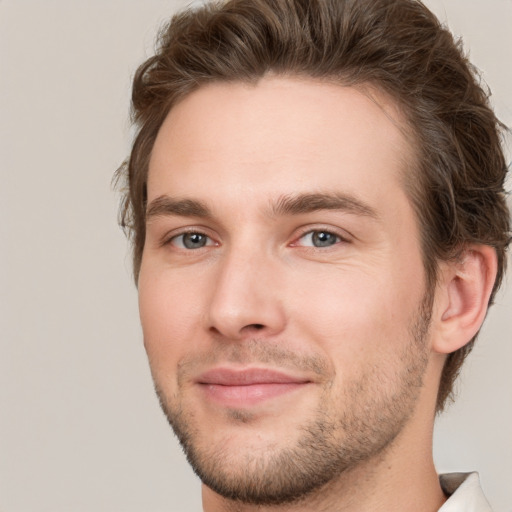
(282, 292)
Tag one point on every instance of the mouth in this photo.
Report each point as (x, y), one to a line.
(248, 387)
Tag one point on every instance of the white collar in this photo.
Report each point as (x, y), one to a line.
(465, 493)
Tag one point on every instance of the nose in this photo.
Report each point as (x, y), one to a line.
(246, 299)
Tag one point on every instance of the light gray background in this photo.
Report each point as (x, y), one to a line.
(80, 429)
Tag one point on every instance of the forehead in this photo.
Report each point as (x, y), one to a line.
(279, 136)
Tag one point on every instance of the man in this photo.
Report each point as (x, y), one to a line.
(316, 201)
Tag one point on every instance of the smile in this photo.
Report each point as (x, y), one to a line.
(245, 388)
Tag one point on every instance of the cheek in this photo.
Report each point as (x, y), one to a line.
(170, 315)
(355, 316)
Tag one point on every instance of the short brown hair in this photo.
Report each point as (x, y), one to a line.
(457, 185)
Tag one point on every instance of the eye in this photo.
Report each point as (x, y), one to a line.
(319, 238)
(191, 240)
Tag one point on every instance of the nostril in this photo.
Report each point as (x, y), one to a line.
(256, 326)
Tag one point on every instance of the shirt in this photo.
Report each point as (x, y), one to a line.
(465, 493)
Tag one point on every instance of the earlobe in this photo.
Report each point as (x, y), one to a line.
(463, 297)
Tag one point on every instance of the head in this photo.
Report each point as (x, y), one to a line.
(456, 184)
(394, 53)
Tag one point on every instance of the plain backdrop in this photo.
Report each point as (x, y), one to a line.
(80, 429)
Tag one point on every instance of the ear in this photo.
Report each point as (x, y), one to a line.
(462, 297)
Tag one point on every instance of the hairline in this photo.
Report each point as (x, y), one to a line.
(396, 111)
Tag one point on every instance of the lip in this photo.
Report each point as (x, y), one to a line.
(248, 387)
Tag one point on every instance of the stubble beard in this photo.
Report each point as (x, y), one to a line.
(326, 447)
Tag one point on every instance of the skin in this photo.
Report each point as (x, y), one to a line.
(348, 321)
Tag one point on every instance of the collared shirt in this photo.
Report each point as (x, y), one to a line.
(465, 493)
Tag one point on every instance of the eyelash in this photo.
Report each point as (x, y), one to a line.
(170, 239)
(328, 231)
(210, 241)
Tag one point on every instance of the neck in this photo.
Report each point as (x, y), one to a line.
(403, 477)
(386, 488)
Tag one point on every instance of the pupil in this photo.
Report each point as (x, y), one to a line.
(194, 240)
(323, 239)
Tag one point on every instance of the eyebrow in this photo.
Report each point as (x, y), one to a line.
(286, 205)
(166, 205)
(307, 203)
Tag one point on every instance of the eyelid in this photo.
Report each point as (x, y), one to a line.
(342, 234)
(174, 241)
(175, 233)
